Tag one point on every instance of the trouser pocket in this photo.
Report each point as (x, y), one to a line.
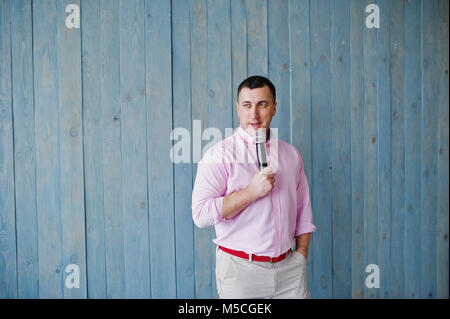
(223, 263)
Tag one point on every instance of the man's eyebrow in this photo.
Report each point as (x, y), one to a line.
(262, 101)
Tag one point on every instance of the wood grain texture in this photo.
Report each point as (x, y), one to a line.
(357, 146)
(219, 84)
(384, 146)
(371, 141)
(279, 66)
(239, 50)
(71, 151)
(443, 158)
(413, 146)
(158, 100)
(430, 124)
(397, 90)
(93, 133)
(136, 208)
(111, 149)
(8, 266)
(257, 37)
(321, 124)
(199, 95)
(182, 117)
(341, 137)
(300, 93)
(24, 149)
(48, 163)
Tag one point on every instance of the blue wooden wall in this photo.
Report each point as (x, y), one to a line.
(86, 116)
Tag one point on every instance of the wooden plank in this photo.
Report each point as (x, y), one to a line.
(443, 189)
(134, 156)
(182, 110)
(160, 168)
(341, 132)
(321, 286)
(397, 89)
(24, 149)
(413, 146)
(384, 146)
(370, 150)
(430, 93)
(8, 265)
(199, 96)
(300, 98)
(238, 50)
(220, 114)
(48, 177)
(71, 150)
(279, 65)
(111, 148)
(357, 147)
(93, 153)
(257, 38)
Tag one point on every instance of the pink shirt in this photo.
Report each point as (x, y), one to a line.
(266, 227)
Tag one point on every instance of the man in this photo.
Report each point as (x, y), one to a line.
(257, 214)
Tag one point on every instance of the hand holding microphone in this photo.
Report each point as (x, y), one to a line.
(262, 183)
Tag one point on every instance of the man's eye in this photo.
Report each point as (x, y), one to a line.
(263, 104)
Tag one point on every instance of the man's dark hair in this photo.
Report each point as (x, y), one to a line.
(257, 81)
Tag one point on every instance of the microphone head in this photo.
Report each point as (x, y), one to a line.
(260, 135)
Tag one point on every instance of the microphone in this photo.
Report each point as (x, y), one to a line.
(260, 140)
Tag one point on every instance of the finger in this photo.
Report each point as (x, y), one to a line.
(266, 170)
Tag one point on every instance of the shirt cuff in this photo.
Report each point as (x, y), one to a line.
(304, 228)
(218, 203)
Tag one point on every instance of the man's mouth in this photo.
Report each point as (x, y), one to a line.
(255, 125)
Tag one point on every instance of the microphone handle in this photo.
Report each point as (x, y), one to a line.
(260, 154)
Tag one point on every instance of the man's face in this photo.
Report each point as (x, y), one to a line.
(255, 108)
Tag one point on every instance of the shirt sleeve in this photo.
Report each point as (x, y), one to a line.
(208, 193)
(304, 210)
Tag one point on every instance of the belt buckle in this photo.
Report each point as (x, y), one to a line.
(271, 260)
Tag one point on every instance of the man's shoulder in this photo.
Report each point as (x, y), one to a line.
(289, 148)
(217, 152)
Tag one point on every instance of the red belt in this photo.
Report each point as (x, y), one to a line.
(251, 257)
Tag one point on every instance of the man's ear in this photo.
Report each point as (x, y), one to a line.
(274, 108)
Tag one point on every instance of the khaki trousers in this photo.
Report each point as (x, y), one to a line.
(238, 278)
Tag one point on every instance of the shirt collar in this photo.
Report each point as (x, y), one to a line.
(247, 137)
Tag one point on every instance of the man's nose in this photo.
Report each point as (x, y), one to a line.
(254, 112)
